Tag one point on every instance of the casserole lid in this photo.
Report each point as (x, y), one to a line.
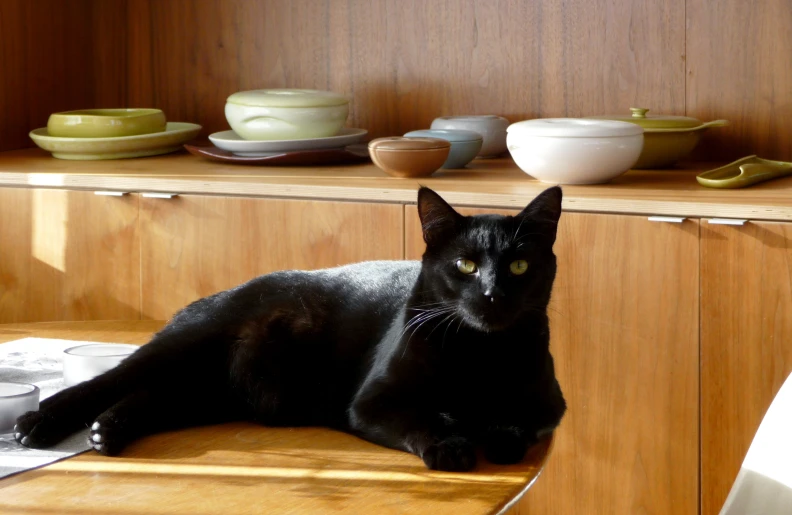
(574, 128)
(452, 135)
(287, 98)
(640, 117)
(401, 143)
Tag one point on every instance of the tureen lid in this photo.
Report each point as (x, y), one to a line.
(574, 128)
(287, 98)
(640, 116)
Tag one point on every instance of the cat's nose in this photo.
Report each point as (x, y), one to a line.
(493, 294)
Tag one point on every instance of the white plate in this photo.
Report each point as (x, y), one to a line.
(232, 142)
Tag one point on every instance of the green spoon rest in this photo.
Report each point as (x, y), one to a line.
(744, 172)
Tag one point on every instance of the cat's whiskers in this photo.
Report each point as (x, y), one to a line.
(439, 303)
(417, 321)
(542, 310)
(453, 313)
(461, 319)
(421, 318)
(517, 231)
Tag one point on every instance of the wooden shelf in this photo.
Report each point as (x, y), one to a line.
(485, 183)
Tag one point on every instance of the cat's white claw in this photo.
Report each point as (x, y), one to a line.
(95, 426)
(97, 447)
(25, 441)
(97, 438)
(17, 436)
(15, 428)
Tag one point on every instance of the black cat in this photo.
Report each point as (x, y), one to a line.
(431, 357)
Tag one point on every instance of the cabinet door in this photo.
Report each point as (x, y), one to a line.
(746, 343)
(68, 255)
(624, 326)
(193, 246)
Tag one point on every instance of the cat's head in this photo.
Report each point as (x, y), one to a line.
(494, 270)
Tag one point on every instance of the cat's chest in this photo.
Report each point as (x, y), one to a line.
(479, 385)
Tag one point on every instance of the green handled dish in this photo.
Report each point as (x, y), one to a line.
(744, 172)
(667, 139)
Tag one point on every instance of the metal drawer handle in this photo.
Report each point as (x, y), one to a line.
(159, 195)
(671, 219)
(726, 221)
(111, 193)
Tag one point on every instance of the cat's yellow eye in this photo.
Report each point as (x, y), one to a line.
(518, 267)
(466, 266)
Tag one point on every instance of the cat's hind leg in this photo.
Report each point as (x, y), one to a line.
(151, 411)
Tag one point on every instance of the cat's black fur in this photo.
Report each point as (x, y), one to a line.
(412, 355)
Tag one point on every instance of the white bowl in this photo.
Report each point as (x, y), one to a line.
(285, 114)
(492, 129)
(574, 150)
(16, 399)
(85, 362)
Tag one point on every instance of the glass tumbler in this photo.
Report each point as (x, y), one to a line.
(16, 399)
(85, 362)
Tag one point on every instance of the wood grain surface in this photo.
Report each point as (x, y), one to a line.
(404, 63)
(68, 255)
(485, 182)
(624, 329)
(243, 468)
(746, 353)
(57, 56)
(193, 246)
(738, 69)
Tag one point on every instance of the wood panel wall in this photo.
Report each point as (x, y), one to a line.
(739, 68)
(56, 56)
(404, 62)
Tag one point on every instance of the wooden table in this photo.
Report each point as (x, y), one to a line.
(246, 468)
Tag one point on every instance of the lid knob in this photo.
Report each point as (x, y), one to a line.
(638, 112)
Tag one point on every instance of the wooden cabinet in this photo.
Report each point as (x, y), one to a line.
(642, 314)
(68, 255)
(746, 343)
(194, 245)
(624, 326)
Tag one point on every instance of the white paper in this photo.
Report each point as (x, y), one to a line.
(36, 361)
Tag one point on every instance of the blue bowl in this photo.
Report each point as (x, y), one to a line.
(465, 145)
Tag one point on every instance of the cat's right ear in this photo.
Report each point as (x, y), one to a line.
(438, 218)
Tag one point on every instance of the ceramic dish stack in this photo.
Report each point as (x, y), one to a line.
(94, 134)
(286, 127)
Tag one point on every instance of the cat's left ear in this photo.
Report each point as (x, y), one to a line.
(438, 218)
(544, 211)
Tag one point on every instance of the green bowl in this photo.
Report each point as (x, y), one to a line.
(105, 123)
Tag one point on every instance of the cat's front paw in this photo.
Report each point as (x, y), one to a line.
(37, 430)
(110, 434)
(505, 446)
(454, 454)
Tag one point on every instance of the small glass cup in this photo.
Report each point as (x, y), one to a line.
(16, 399)
(85, 362)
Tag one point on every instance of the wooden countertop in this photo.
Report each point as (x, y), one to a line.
(485, 183)
(243, 468)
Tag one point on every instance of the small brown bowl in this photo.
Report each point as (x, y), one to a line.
(409, 157)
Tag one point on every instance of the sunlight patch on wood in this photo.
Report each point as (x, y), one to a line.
(126, 467)
(50, 218)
